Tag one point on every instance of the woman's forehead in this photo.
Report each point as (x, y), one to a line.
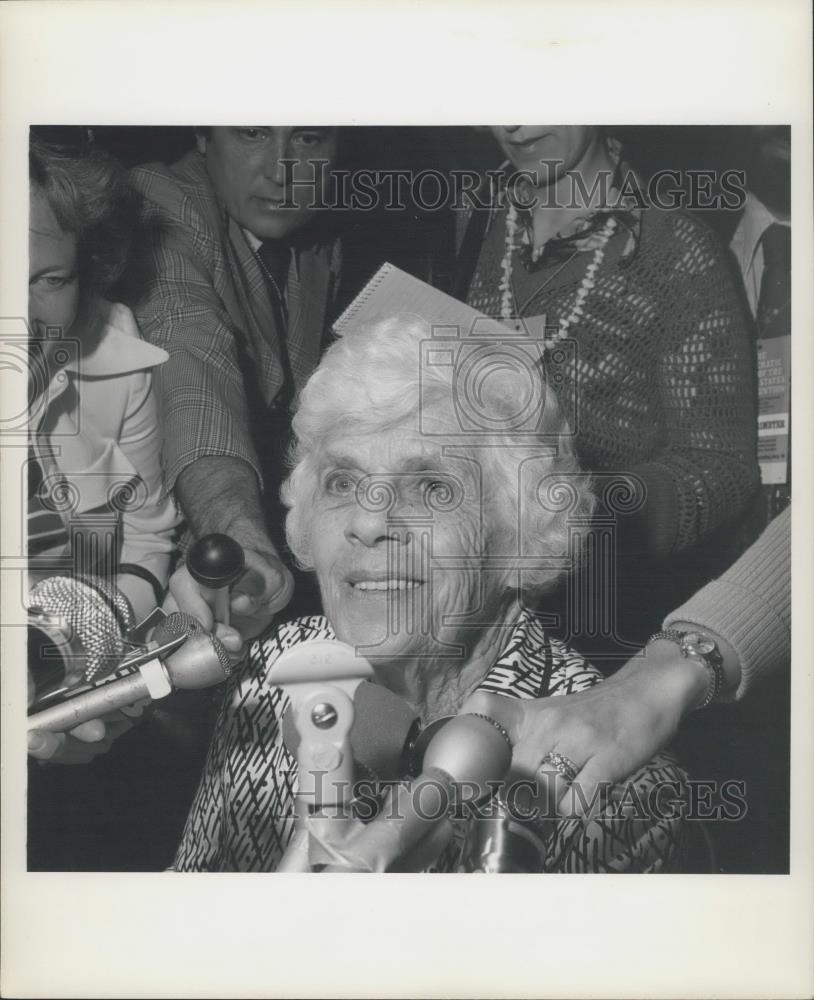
(45, 233)
(398, 449)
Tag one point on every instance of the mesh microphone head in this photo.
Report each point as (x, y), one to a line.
(118, 603)
(89, 615)
(179, 623)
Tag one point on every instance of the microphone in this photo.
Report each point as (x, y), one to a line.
(201, 662)
(76, 629)
(383, 732)
(472, 752)
(215, 562)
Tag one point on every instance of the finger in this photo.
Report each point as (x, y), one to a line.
(89, 732)
(43, 746)
(117, 729)
(187, 594)
(136, 710)
(170, 605)
(60, 748)
(591, 788)
(268, 580)
(260, 578)
(231, 639)
(552, 786)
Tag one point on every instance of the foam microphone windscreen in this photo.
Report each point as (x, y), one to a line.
(381, 727)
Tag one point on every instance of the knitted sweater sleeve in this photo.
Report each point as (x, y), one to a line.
(750, 605)
(707, 468)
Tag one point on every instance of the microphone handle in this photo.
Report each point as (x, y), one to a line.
(91, 704)
(219, 600)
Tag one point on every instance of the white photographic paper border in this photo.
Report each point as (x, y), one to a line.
(456, 63)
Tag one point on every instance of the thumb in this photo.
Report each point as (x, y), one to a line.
(43, 745)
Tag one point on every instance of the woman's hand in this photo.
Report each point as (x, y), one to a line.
(608, 732)
(86, 742)
(265, 587)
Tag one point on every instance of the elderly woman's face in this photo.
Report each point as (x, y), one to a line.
(526, 145)
(396, 543)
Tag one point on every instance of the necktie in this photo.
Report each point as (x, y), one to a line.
(275, 259)
(774, 303)
(774, 320)
(46, 529)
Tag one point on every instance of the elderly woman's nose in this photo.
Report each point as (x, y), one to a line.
(372, 527)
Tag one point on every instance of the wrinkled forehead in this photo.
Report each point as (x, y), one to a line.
(397, 449)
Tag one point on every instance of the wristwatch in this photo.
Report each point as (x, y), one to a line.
(698, 646)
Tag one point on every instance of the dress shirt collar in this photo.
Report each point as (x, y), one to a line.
(118, 348)
(256, 243)
(755, 221)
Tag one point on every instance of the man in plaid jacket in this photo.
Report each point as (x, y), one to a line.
(233, 276)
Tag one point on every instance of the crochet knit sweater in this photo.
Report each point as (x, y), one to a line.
(664, 384)
(750, 605)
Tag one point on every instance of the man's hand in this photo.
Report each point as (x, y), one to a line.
(219, 494)
(265, 587)
(608, 732)
(86, 742)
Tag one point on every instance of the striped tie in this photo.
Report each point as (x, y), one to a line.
(46, 529)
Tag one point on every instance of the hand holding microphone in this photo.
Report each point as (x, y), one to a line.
(467, 756)
(215, 562)
(246, 602)
(200, 662)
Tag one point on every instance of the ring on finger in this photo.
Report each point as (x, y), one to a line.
(562, 764)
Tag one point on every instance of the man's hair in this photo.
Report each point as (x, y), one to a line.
(91, 197)
(371, 381)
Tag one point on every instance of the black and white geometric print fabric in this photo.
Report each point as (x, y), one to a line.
(242, 817)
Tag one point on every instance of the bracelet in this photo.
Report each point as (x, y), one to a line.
(493, 722)
(700, 647)
(132, 569)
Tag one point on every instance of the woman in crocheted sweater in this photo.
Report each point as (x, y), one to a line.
(646, 324)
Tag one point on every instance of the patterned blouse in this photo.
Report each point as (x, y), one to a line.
(242, 817)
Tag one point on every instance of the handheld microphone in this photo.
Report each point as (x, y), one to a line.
(201, 662)
(471, 752)
(382, 733)
(215, 562)
(76, 630)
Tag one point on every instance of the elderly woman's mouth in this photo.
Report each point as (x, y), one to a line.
(389, 584)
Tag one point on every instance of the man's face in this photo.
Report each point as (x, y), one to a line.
(259, 191)
(769, 170)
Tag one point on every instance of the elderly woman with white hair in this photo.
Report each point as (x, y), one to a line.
(425, 533)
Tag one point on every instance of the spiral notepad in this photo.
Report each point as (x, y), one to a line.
(392, 291)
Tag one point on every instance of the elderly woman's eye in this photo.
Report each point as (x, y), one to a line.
(435, 488)
(340, 484)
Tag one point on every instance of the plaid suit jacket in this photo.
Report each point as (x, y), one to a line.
(198, 291)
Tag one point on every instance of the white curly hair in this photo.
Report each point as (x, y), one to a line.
(378, 377)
